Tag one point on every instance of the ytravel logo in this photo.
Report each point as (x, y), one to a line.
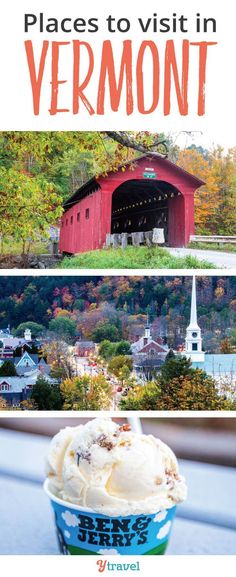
(104, 565)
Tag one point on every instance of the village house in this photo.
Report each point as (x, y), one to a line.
(16, 389)
(148, 355)
(85, 348)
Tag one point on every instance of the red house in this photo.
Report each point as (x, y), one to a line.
(156, 194)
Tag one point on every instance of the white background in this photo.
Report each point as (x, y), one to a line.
(16, 112)
(182, 566)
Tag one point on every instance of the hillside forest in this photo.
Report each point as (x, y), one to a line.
(116, 308)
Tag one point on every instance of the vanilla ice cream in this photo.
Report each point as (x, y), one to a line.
(112, 470)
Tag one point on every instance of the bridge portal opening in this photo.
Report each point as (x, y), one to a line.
(141, 205)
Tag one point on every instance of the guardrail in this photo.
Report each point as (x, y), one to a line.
(213, 239)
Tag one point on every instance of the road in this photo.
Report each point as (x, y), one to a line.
(218, 258)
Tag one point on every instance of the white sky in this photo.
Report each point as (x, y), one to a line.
(226, 139)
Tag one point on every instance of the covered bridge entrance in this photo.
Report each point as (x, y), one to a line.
(156, 193)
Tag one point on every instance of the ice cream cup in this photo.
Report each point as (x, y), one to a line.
(81, 531)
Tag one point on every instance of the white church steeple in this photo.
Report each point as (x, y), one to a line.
(193, 341)
(147, 334)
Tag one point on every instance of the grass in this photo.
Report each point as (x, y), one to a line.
(12, 247)
(132, 258)
(213, 246)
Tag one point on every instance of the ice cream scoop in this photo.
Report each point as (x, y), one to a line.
(112, 470)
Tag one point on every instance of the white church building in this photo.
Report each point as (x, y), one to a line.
(220, 366)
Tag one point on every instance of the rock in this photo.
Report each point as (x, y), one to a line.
(158, 236)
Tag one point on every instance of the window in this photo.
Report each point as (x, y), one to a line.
(194, 347)
(71, 220)
(4, 387)
(87, 213)
(66, 221)
(78, 216)
(62, 223)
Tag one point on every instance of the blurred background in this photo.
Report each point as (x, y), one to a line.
(210, 440)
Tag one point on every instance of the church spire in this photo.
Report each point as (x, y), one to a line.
(147, 334)
(193, 341)
(193, 316)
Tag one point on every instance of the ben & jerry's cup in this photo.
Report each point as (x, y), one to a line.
(113, 491)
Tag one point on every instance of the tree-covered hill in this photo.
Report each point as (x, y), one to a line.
(121, 304)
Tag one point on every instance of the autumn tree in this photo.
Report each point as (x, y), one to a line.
(86, 393)
(215, 202)
(28, 206)
(205, 200)
(226, 347)
(195, 392)
(58, 358)
(4, 405)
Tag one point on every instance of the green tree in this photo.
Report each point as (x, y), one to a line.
(175, 366)
(121, 366)
(141, 398)
(123, 348)
(8, 369)
(63, 327)
(106, 349)
(35, 328)
(106, 331)
(47, 397)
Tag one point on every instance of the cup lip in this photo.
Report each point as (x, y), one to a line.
(68, 504)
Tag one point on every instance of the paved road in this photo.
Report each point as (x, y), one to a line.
(218, 258)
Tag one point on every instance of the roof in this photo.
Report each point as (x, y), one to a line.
(85, 344)
(92, 185)
(141, 345)
(19, 383)
(149, 362)
(33, 357)
(220, 365)
(12, 342)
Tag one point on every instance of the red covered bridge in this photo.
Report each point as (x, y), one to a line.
(156, 194)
